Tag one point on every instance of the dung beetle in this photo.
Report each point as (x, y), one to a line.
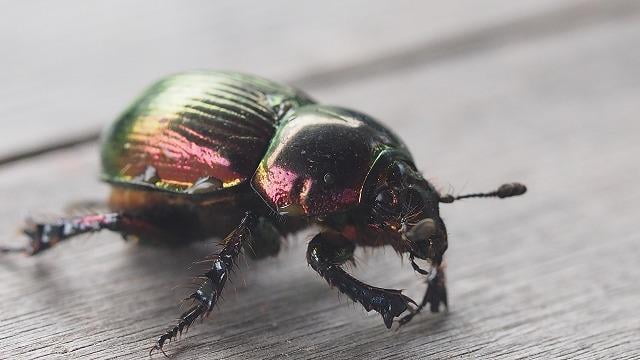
(222, 154)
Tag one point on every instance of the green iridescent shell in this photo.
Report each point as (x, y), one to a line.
(196, 132)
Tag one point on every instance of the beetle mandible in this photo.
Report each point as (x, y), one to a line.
(222, 154)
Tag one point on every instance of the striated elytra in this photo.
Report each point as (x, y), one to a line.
(221, 154)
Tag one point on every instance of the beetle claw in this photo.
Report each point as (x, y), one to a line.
(157, 347)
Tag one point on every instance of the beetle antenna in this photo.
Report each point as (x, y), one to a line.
(8, 250)
(504, 191)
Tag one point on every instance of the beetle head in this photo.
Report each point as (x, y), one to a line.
(403, 204)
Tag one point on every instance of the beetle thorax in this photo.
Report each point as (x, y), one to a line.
(319, 159)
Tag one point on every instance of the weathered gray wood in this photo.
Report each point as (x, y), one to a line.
(70, 67)
(551, 274)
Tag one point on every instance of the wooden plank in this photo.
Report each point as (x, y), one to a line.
(71, 67)
(552, 274)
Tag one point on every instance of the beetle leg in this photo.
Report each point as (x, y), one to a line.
(207, 294)
(327, 251)
(42, 236)
(436, 294)
(269, 240)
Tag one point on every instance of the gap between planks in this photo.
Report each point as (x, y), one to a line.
(541, 25)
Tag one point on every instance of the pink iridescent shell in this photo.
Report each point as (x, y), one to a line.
(196, 132)
(319, 159)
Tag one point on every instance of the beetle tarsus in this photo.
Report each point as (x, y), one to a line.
(43, 236)
(435, 295)
(206, 296)
(186, 319)
(327, 251)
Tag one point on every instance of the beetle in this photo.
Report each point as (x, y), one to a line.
(206, 154)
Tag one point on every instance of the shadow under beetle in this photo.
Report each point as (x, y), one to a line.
(205, 154)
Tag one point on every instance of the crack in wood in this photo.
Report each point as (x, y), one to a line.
(570, 18)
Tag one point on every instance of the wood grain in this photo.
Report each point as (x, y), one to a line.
(550, 275)
(71, 67)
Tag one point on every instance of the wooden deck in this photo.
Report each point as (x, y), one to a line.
(545, 92)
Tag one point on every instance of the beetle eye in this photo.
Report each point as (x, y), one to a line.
(384, 197)
(386, 200)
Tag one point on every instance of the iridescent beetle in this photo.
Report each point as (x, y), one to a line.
(205, 154)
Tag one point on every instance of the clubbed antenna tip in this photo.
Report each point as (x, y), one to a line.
(504, 191)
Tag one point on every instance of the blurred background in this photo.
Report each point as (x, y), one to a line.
(544, 92)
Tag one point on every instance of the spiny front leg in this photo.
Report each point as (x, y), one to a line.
(209, 291)
(327, 251)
